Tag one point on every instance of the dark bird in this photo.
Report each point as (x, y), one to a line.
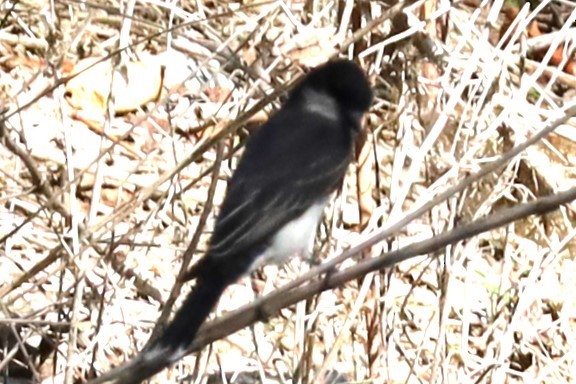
(275, 199)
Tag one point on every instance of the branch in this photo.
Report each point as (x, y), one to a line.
(269, 305)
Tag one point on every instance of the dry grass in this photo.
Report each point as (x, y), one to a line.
(94, 224)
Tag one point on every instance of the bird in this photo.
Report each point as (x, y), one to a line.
(275, 199)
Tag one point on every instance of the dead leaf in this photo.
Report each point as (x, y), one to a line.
(128, 87)
(309, 49)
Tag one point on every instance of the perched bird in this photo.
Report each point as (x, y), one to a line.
(275, 198)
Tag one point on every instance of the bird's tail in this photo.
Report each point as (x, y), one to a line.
(174, 342)
(197, 306)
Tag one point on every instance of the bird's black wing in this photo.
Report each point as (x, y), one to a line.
(296, 159)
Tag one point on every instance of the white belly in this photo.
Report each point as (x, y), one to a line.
(295, 238)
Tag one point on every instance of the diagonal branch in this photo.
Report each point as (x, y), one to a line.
(270, 305)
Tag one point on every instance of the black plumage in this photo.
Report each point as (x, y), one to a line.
(276, 197)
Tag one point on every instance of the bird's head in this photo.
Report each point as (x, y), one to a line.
(343, 81)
